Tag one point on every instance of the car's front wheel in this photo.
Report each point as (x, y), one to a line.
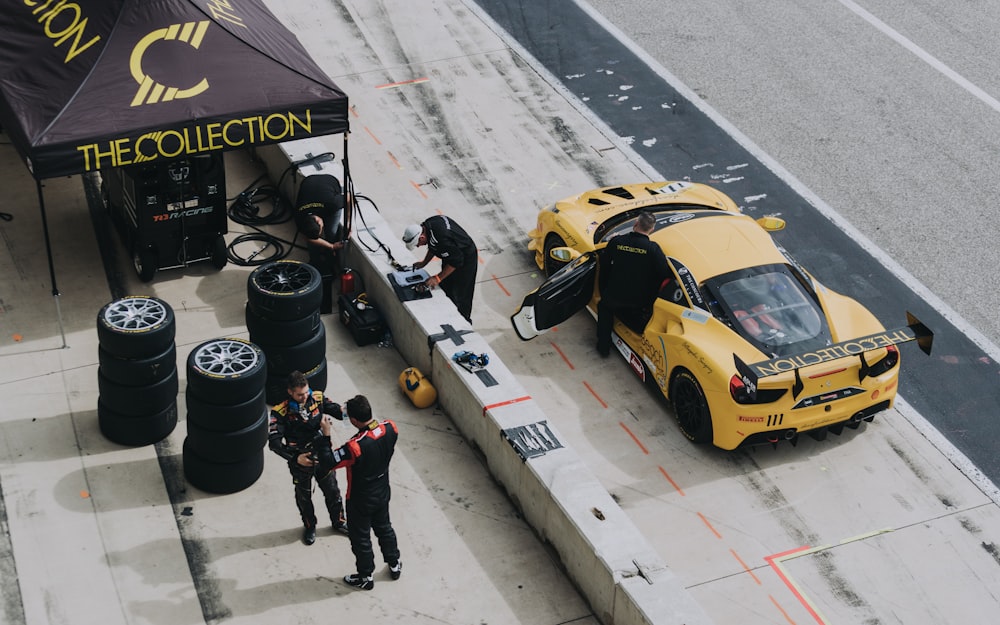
(691, 408)
(552, 265)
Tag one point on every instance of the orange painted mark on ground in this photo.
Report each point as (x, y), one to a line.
(596, 396)
(560, 352)
(781, 609)
(505, 403)
(776, 561)
(372, 135)
(17, 338)
(393, 159)
(500, 284)
(709, 525)
(84, 494)
(745, 567)
(390, 85)
(419, 190)
(671, 480)
(354, 111)
(635, 438)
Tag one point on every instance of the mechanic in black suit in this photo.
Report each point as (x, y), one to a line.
(447, 240)
(631, 271)
(318, 215)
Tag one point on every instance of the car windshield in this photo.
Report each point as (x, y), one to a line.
(770, 307)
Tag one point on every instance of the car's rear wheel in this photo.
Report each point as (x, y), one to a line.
(552, 265)
(691, 408)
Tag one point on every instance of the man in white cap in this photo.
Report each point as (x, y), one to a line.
(447, 240)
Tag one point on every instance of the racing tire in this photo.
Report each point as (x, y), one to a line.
(301, 357)
(285, 290)
(138, 401)
(221, 477)
(276, 392)
(265, 331)
(136, 326)
(136, 431)
(223, 418)
(551, 264)
(145, 261)
(220, 252)
(137, 371)
(227, 447)
(226, 371)
(691, 408)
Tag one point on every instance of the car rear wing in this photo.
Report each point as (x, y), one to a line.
(914, 331)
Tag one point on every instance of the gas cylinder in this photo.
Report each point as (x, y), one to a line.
(346, 281)
(418, 388)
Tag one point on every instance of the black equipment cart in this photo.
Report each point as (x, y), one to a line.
(170, 214)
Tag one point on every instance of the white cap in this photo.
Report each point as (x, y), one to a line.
(411, 236)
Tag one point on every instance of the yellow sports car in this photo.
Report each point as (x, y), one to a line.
(744, 343)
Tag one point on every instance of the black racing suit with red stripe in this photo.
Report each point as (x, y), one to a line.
(366, 457)
(291, 430)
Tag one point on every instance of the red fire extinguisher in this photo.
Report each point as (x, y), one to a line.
(346, 281)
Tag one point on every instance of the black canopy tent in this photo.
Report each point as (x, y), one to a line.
(87, 85)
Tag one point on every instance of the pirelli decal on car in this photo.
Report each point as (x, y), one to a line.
(915, 331)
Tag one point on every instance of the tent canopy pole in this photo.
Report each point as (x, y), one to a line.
(48, 253)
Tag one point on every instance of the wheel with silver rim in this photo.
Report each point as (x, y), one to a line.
(136, 327)
(285, 290)
(226, 371)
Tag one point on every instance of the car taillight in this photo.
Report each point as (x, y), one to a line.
(741, 395)
(890, 360)
(738, 390)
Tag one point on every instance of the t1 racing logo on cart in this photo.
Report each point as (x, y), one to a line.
(150, 91)
(179, 210)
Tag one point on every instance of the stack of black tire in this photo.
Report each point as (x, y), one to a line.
(137, 377)
(283, 318)
(226, 415)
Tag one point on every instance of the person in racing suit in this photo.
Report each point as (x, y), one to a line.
(319, 208)
(632, 268)
(459, 256)
(292, 427)
(366, 457)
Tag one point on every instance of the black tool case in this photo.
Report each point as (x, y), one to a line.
(361, 318)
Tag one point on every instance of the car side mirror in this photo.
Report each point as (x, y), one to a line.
(771, 224)
(564, 254)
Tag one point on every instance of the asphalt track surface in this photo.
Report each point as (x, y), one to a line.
(956, 389)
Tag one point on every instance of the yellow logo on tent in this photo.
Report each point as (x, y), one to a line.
(150, 91)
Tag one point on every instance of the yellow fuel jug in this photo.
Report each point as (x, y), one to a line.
(418, 388)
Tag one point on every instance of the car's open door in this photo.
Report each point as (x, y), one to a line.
(557, 299)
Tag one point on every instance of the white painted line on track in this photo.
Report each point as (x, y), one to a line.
(923, 55)
(956, 457)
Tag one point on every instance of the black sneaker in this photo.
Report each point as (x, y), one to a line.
(340, 528)
(356, 580)
(395, 570)
(309, 535)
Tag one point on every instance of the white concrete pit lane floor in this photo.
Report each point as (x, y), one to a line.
(873, 526)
